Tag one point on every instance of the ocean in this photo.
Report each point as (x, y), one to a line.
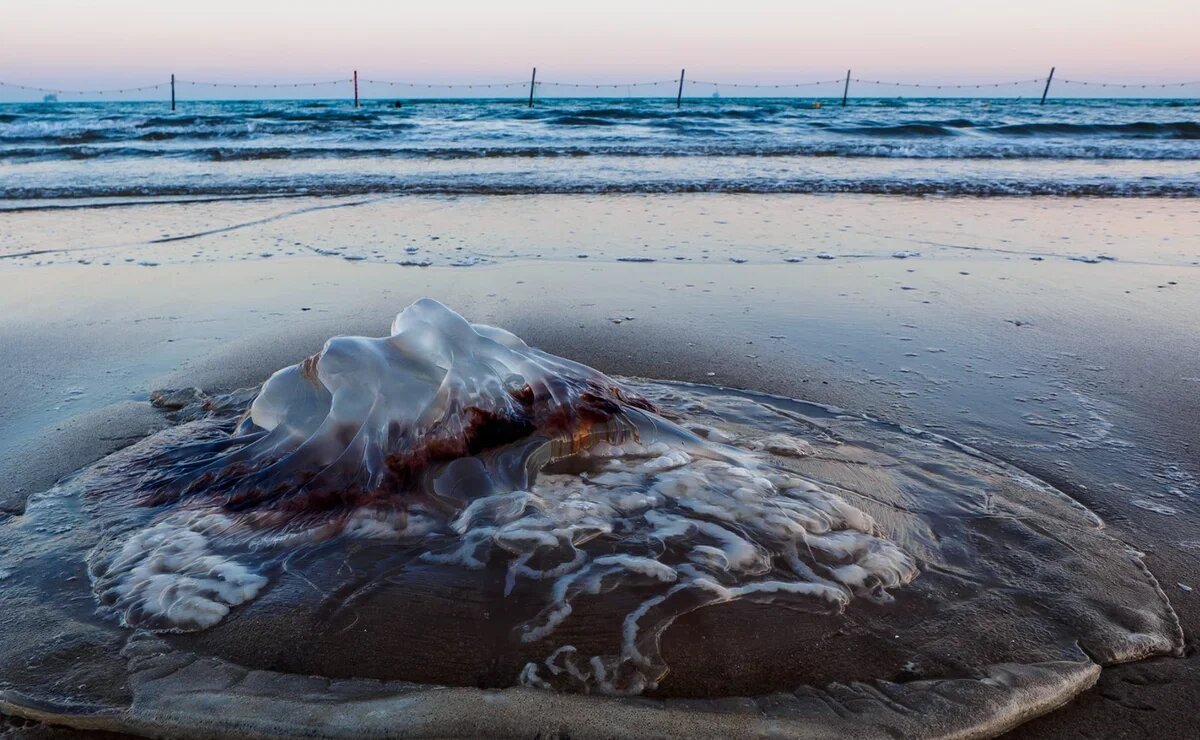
(1011, 147)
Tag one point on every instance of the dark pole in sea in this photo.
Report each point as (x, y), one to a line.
(679, 97)
(1048, 78)
(532, 82)
(172, 92)
(846, 89)
(356, 88)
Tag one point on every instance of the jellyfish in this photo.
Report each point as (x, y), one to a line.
(447, 531)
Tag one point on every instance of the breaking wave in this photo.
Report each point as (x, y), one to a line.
(766, 145)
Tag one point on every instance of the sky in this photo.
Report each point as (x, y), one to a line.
(92, 44)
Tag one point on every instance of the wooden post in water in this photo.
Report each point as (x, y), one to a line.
(356, 88)
(532, 84)
(172, 92)
(1047, 89)
(846, 89)
(679, 97)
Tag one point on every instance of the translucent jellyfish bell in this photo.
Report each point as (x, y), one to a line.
(449, 507)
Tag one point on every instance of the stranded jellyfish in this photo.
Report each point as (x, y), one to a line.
(445, 531)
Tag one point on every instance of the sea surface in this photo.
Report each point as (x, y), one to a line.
(325, 147)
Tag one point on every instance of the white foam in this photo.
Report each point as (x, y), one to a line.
(1155, 506)
(783, 445)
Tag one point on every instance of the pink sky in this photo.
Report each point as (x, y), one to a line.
(97, 44)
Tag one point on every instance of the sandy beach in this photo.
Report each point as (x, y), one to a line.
(1058, 335)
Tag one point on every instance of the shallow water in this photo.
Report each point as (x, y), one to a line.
(655, 231)
(879, 145)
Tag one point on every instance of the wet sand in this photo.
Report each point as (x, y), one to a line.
(1083, 372)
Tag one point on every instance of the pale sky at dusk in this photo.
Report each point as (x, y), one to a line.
(88, 44)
